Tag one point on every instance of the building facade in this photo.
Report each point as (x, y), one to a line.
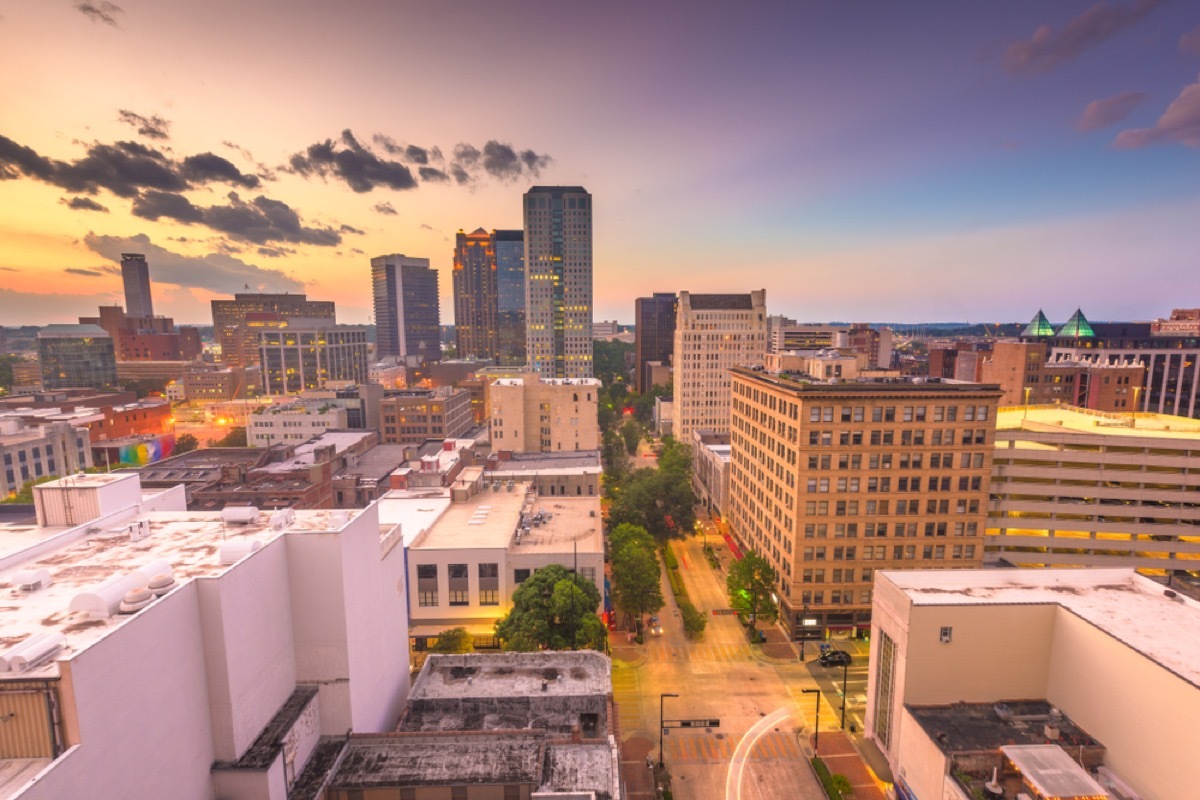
(1028, 375)
(654, 335)
(293, 423)
(830, 481)
(475, 302)
(414, 415)
(532, 414)
(239, 347)
(306, 353)
(135, 275)
(558, 285)
(713, 333)
(29, 452)
(407, 310)
(509, 249)
(77, 356)
(710, 471)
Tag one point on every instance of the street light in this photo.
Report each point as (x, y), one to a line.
(845, 700)
(1025, 413)
(803, 631)
(816, 721)
(661, 727)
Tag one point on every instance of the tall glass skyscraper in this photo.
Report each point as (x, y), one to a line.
(475, 295)
(558, 285)
(77, 356)
(509, 249)
(407, 311)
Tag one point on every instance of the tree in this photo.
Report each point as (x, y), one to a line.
(553, 610)
(636, 574)
(236, 437)
(186, 443)
(454, 640)
(631, 432)
(24, 495)
(608, 361)
(662, 501)
(750, 582)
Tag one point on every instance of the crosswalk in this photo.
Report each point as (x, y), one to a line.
(658, 651)
(628, 699)
(704, 748)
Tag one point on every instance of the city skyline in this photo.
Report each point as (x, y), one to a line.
(858, 166)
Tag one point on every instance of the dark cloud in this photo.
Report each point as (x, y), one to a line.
(83, 204)
(433, 174)
(417, 155)
(435, 155)
(357, 251)
(153, 127)
(9, 269)
(89, 273)
(275, 252)
(264, 172)
(350, 229)
(352, 163)
(155, 205)
(1109, 111)
(1179, 123)
(1046, 49)
(388, 144)
(501, 161)
(101, 12)
(385, 208)
(426, 226)
(466, 155)
(215, 272)
(533, 162)
(208, 167)
(260, 221)
(461, 176)
(1189, 43)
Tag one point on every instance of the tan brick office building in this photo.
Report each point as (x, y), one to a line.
(832, 481)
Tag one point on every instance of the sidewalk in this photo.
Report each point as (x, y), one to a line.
(842, 758)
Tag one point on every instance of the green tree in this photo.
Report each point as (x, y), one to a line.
(631, 432)
(636, 574)
(24, 495)
(186, 443)
(236, 437)
(750, 582)
(662, 501)
(454, 640)
(553, 610)
(608, 361)
(643, 405)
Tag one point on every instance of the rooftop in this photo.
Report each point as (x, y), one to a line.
(416, 760)
(376, 462)
(882, 386)
(67, 331)
(1161, 625)
(721, 302)
(1063, 418)
(573, 462)
(550, 673)
(981, 727)
(1052, 772)
(305, 455)
(414, 510)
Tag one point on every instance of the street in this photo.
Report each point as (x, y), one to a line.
(755, 693)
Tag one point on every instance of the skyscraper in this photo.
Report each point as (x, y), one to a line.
(135, 273)
(509, 249)
(407, 314)
(654, 334)
(558, 285)
(475, 305)
(239, 341)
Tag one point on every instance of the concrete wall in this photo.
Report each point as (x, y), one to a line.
(248, 647)
(1143, 714)
(472, 558)
(925, 765)
(136, 703)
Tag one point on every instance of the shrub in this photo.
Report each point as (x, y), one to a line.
(827, 780)
(694, 622)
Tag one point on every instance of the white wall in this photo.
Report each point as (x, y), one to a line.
(924, 763)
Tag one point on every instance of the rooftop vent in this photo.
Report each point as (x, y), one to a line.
(31, 652)
(135, 600)
(239, 515)
(235, 550)
(282, 518)
(30, 580)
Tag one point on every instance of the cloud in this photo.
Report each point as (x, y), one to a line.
(1046, 49)
(385, 208)
(153, 127)
(154, 205)
(350, 229)
(1179, 123)
(1110, 111)
(215, 272)
(260, 221)
(425, 226)
(264, 172)
(534, 162)
(466, 155)
(433, 174)
(275, 252)
(1189, 43)
(207, 167)
(90, 273)
(353, 164)
(101, 12)
(83, 204)
(357, 251)
(417, 155)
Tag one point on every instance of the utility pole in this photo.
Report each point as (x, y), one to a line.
(662, 724)
(845, 700)
(816, 721)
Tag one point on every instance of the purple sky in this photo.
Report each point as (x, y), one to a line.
(905, 162)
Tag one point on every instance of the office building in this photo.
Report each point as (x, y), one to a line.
(654, 335)
(558, 285)
(565, 474)
(475, 302)
(1028, 375)
(713, 333)
(414, 415)
(293, 422)
(555, 736)
(795, 336)
(305, 353)
(239, 342)
(158, 652)
(1076, 488)
(30, 451)
(509, 249)
(76, 357)
(532, 414)
(776, 322)
(874, 343)
(1168, 349)
(962, 360)
(710, 471)
(1054, 683)
(216, 384)
(407, 310)
(146, 339)
(135, 274)
(833, 480)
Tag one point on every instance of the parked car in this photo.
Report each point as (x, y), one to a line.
(655, 626)
(834, 658)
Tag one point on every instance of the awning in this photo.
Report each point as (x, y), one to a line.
(876, 760)
(733, 548)
(433, 631)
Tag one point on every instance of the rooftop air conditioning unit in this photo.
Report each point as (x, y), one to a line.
(239, 515)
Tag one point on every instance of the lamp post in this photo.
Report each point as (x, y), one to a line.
(1025, 413)
(816, 721)
(845, 700)
(1133, 410)
(661, 727)
(803, 630)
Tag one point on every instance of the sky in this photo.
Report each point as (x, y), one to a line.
(900, 162)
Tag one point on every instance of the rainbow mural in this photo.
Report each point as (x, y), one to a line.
(140, 452)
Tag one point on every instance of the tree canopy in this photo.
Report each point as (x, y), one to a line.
(553, 610)
(454, 640)
(660, 500)
(750, 582)
(185, 443)
(637, 586)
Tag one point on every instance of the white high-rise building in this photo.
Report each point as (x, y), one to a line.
(558, 281)
(714, 332)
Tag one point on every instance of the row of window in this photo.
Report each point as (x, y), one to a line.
(874, 530)
(888, 413)
(847, 461)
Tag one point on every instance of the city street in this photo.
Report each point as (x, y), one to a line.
(755, 693)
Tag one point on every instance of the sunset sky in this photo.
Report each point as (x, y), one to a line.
(860, 160)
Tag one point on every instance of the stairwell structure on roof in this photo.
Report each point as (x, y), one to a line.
(1077, 327)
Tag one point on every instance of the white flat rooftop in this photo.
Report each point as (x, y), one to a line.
(414, 510)
(1130, 608)
(189, 541)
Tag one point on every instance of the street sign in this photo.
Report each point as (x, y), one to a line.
(723, 612)
(691, 723)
